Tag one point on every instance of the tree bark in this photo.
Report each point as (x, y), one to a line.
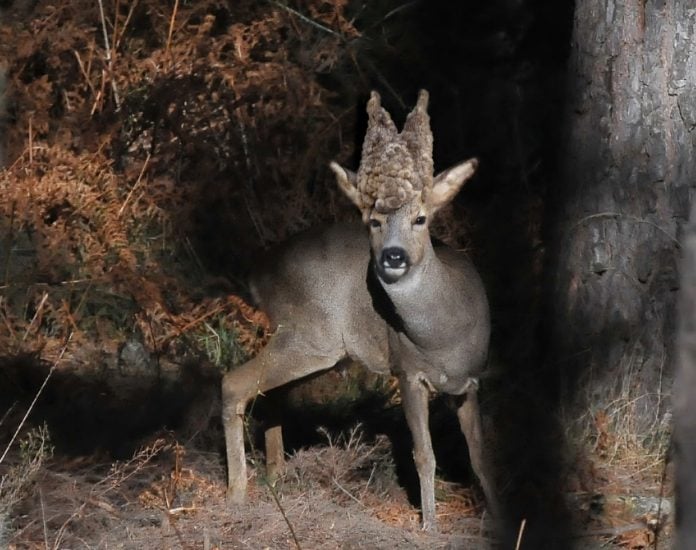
(627, 172)
(685, 398)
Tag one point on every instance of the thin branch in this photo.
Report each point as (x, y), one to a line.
(31, 140)
(306, 19)
(400, 8)
(135, 185)
(43, 519)
(7, 413)
(391, 13)
(171, 28)
(36, 398)
(36, 314)
(269, 485)
(8, 243)
(628, 217)
(114, 35)
(347, 492)
(84, 73)
(520, 534)
(131, 10)
(109, 59)
(285, 517)
(386, 84)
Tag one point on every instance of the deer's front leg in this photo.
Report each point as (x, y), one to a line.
(275, 453)
(414, 397)
(469, 416)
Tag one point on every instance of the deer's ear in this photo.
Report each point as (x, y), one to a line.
(347, 181)
(448, 183)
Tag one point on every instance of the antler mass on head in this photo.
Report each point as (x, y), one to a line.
(395, 167)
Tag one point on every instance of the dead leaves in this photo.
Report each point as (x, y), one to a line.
(102, 194)
(73, 240)
(637, 539)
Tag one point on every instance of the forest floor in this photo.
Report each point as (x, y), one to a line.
(171, 496)
(343, 494)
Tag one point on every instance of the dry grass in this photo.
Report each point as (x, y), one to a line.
(16, 477)
(618, 434)
(346, 464)
(619, 474)
(343, 495)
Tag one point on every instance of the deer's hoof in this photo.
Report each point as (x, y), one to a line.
(429, 526)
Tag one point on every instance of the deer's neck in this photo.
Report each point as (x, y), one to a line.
(420, 299)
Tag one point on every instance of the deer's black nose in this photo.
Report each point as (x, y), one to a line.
(394, 257)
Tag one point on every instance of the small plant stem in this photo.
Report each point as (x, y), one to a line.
(271, 489)
(8, 241)
(117, 39)
(135, 185)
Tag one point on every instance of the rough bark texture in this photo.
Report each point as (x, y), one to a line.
(684, 397)
(628, 168)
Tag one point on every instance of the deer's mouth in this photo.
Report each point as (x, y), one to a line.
(391, 275)
(393, 264)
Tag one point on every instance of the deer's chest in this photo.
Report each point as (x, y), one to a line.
(447, 369)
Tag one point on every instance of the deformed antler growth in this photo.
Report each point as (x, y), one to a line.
(419, 139)
(395, 166)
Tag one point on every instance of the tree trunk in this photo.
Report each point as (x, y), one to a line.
(685, 397)
(627, 169)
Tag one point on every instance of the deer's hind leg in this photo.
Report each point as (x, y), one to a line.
(287, 357)
(469, 415)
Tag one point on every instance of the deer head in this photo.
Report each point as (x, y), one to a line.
(395, 190)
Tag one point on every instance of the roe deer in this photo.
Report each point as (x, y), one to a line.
(383, 296)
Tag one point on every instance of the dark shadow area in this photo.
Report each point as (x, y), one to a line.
(132, 409)
(496, 73)
(110, 414)
(302, 422)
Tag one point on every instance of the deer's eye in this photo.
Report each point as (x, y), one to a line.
(375, 223)
(420, 220)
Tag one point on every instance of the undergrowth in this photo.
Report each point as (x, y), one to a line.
(141, 141)
(16, 480)
(624, 430)
(151, 148)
